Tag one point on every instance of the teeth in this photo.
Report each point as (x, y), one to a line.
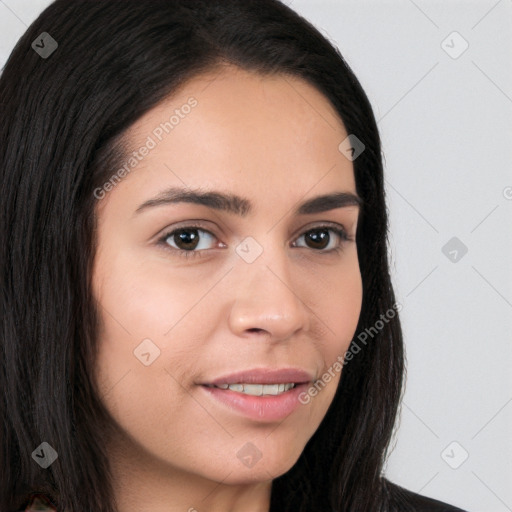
(258, 389)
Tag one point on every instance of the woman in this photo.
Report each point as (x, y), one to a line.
(142, 369)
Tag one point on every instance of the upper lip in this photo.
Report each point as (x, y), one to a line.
(264, 376)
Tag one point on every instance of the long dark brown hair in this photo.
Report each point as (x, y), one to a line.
(63, 118)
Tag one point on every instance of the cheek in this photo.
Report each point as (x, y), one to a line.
(139, 308)
(143, 298)
(133, 309)
(343, 311)
(144, 312)
(338, 307)
(339, 300)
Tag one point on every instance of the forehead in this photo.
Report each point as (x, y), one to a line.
(254, 134)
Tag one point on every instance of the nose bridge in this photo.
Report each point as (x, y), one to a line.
(265, 297)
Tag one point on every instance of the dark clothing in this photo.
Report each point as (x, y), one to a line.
(403, 500)
(398, 498)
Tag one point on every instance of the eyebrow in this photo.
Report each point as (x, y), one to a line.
(240, 206)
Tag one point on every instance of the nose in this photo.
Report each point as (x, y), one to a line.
(268, 299)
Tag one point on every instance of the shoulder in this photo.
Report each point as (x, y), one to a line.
(403, 500)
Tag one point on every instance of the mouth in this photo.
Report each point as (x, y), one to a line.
(262, 394)
(257, 389)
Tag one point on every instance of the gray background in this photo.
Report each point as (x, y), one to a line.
(445, 122)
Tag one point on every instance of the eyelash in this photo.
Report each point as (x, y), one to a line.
(342, 234)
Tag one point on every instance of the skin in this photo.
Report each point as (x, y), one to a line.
(273, 140)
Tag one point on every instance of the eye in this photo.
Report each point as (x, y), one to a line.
(187, 240)
(321, 241)
(191, 241)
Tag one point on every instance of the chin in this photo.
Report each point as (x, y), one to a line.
(250, 466)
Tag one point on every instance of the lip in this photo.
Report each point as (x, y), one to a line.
(265, 408)
(264, 376)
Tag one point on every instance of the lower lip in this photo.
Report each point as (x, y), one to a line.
(259, 408)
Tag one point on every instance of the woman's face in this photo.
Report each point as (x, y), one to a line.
(254, 285)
